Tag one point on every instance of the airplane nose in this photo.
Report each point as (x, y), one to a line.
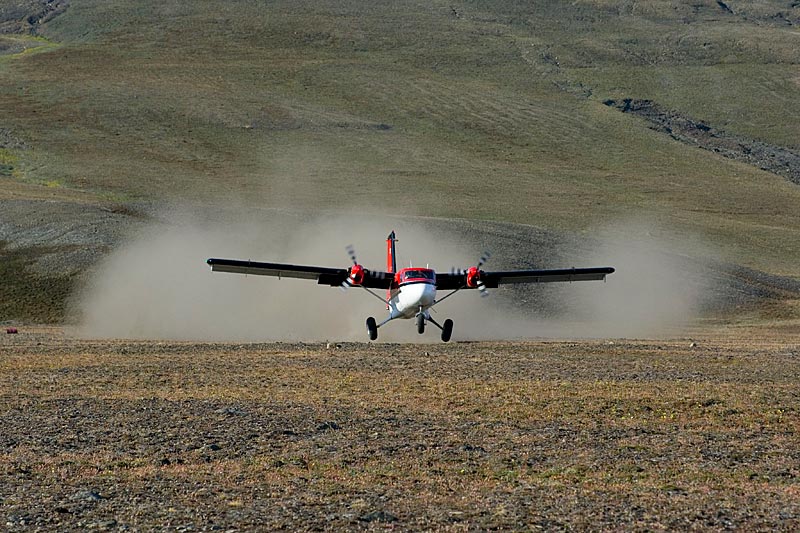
(428, 294)
(414, 296)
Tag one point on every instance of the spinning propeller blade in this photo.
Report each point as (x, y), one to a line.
(485, 257)
(473, 274)
(481, 287)
(351, 251)
(350, 279)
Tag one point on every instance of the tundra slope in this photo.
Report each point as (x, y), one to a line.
(495, 106)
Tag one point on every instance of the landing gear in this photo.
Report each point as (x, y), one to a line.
(421, 319)
(447, 330)
(372, 329)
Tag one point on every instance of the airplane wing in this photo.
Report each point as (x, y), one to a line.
(323, 275)
(492, 279)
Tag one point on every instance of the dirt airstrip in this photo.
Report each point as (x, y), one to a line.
(697, 433)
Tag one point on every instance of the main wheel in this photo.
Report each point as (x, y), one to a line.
(447, 330)
(420, 323)
(372, 329)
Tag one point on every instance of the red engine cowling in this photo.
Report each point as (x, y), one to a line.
(357, 274)
(473, 277)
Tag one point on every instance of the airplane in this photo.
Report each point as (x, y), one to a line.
(410, 292)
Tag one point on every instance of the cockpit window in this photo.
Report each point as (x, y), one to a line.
(418, 274)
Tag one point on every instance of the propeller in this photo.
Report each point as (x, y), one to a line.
(482, 288)
(357, 272)
(473, 274)
(351, 251)
(478, 281)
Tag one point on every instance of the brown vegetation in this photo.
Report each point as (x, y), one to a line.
(686, 434)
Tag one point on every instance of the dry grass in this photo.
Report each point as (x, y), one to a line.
(638, 435)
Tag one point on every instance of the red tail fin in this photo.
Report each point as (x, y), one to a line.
(391, 262)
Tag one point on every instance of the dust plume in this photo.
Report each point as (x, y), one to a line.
(659, 288)
(157, 286)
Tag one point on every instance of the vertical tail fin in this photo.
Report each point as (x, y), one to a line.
(391, 261)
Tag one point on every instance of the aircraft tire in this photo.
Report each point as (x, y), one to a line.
(447, 330)
(420, 324)
(372, 329)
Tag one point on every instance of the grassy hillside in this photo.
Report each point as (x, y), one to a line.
(475, 109)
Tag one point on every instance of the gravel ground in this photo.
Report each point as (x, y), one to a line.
(695, 433)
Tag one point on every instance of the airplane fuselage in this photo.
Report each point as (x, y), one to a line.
(413, 291)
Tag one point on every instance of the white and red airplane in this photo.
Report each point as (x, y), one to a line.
(410, 292)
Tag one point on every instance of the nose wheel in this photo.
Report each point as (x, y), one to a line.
(420, 323)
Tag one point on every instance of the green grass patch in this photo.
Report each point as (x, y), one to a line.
(17, 46)
(8, 163)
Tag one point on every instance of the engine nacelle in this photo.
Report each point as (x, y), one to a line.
(473, 277)
(357, 275)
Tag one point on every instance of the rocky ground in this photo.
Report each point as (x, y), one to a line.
(27, 16)
(696, 433)
(776, 159)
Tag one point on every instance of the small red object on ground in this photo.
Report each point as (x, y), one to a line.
(12, 331)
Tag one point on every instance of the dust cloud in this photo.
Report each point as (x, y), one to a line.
(158, 286)
(659, 288)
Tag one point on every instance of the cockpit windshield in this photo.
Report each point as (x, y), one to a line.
(418, 274)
